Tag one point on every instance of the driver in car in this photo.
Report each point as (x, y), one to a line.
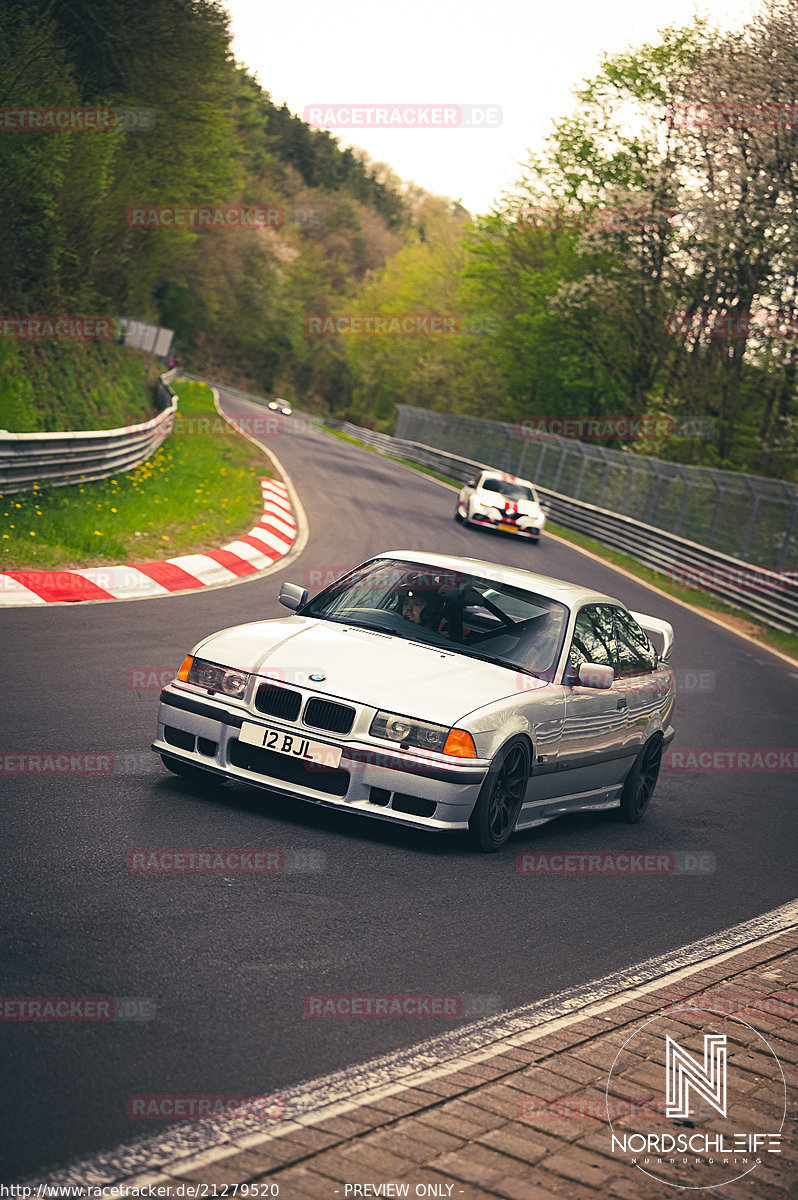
(422, 607)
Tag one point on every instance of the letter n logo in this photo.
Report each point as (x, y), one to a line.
(683, 1072)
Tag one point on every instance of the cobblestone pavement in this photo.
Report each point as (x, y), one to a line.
(533, 1115)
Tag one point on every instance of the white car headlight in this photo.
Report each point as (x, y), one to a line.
(421, 734)
(214, 678)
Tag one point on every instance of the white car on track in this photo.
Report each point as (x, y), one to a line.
(280, 406)
(444, 693)
(499, 501)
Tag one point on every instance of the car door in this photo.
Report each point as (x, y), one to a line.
(594, 742)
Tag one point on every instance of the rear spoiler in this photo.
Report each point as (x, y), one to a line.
(655, 625)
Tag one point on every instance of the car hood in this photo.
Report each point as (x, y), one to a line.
(368, 668)
(494, 500)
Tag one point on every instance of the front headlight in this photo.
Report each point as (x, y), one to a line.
(420, 734)
(213, 677)
(488, 510)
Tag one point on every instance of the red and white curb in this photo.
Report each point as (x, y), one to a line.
(268, 541)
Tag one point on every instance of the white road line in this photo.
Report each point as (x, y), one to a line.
(319, 1099)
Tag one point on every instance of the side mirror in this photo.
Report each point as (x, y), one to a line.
(594, 675)
(292, 595)
(471, 483)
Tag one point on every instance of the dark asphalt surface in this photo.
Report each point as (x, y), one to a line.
(227, 960)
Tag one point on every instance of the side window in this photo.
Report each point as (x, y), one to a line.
(594, 638)
(637, 655)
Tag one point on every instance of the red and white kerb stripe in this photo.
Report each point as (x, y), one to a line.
(270, 539)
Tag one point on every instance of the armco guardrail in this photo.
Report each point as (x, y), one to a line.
(752, 518)
(770, 595)
(57, 459)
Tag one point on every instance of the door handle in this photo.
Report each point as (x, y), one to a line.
(621, 703)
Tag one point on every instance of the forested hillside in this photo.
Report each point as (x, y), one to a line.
(646, 262)
(191, 131)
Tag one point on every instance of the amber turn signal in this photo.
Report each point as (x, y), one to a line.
(182, 674)
(460, 743)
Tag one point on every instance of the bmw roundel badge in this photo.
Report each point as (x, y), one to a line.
(317, 677)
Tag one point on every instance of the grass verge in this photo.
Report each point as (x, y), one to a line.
(199, 490)
(735, 618)
(73, 386)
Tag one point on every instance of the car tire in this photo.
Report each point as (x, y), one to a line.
(501, 796)
(457, 514)
(639, 785)
(185, 770)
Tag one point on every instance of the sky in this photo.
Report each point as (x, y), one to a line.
(516, 60)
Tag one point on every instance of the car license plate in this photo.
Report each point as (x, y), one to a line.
(292, 744)
(507, 527)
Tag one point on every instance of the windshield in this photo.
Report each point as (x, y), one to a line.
(512, 491)
(463, 613)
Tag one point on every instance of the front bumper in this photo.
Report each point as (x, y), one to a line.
(530, 532)
(426, 792)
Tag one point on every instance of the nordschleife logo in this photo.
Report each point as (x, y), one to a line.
(705, 1131)
(683, 1073)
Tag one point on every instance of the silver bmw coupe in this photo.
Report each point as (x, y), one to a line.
(443, 693)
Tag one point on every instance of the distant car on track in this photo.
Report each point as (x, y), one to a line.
(499, 501)
(443, 693)
(281, 406)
